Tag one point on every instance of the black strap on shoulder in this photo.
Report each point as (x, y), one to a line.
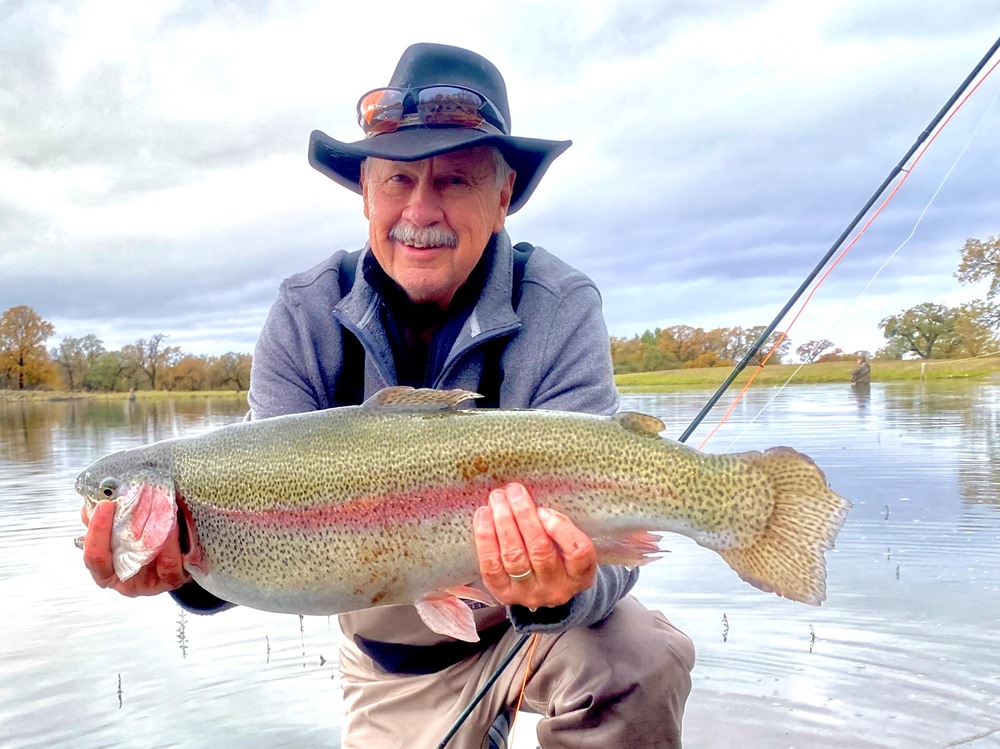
(492, 376)
(350, 387)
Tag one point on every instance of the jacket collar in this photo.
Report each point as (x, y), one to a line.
(492, 313)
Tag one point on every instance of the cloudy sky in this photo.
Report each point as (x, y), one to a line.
(153, 173)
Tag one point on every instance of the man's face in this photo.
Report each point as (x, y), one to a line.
(429, 221)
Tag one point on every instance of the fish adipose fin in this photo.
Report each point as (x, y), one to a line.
(408, 400)
(787, 558)
(443, 612)
(145, 514)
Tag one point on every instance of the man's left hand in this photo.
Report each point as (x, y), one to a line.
(531, 556)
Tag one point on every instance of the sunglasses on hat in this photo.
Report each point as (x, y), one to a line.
(384, 110)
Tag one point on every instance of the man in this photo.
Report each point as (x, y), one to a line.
(439, 298)
(861, 375)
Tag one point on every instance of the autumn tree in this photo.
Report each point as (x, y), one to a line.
(187, 372)
(230, 370)
(23, 358)
(150, 357)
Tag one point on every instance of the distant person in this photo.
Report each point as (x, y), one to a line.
(440, 298)
(861, 375)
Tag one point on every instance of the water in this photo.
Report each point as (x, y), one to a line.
(905, 653)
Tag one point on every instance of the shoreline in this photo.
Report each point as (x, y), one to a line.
(665, 381)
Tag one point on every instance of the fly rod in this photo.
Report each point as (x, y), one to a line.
(896, 170)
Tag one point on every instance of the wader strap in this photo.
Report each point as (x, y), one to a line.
(400, 658)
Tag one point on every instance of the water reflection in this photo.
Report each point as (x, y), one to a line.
(903, 655)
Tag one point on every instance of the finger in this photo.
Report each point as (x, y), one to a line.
(542, 553)
(576, 548)
(513, 552)
(170, 562)
(488, 547)
(97, 545)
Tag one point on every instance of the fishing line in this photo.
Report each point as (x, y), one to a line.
(900, 167)
(867, 286)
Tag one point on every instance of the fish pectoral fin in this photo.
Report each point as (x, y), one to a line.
(633, 550)
(143, 521)
(405, 399)
(445, 614)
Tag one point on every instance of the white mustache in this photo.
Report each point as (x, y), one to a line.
(428, 236)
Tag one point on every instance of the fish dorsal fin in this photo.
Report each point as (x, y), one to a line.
(404, 398)
(637, 422)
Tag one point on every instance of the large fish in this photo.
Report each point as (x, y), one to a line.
(349, 508)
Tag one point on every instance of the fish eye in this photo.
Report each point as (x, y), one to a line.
(108, 487)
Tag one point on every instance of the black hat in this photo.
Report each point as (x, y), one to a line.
(438, 64)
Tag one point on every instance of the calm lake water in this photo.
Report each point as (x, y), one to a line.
(905, 653)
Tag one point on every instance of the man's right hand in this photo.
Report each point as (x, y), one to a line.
(165, 572)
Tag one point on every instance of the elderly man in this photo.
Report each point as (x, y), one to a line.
(439, 298)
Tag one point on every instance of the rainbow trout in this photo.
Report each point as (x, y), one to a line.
(349, 508)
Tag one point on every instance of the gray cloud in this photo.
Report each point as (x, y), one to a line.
(704, 183)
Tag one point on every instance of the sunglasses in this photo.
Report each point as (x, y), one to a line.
(384, 110)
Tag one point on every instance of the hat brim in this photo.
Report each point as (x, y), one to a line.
(341, 162)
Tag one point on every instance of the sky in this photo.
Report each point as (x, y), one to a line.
(153, 171)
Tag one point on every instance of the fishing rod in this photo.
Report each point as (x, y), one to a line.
(896, 170)
(759, 343)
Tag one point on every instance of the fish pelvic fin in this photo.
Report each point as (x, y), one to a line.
(445, 614)
(787, 558)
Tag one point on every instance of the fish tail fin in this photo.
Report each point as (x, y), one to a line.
(787, 558)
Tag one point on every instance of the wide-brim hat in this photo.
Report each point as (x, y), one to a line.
(439, 64)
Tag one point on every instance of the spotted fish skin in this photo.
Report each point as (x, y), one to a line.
(349, 508)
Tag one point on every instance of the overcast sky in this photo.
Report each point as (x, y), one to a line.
(153, 172)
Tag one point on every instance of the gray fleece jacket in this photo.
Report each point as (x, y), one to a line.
(557, 358)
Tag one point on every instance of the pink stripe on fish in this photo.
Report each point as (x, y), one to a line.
(372, 512)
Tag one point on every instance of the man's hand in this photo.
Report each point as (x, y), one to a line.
(531, 556)
(165, 572)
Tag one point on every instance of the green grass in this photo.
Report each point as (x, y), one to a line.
(671, 379)
(826, 372)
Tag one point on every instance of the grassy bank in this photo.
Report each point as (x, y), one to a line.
(827, 372)
(671, 379)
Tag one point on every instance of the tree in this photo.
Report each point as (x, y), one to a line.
(22, 347)
(107, 373)
(812, 350)
(233, 370)
(919, 328)
(150, 357)
(75, 357)
(188, 372)
(772, 341)
(981, 260)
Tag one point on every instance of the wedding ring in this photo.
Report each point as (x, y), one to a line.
(521, 576)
